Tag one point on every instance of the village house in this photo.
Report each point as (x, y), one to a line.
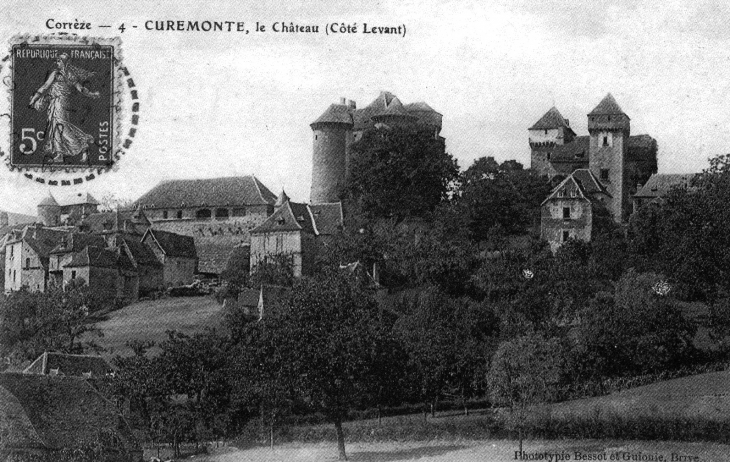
(218, 213)
(52, 212)
(568, 212)
(177, 255)
(27, 256)
(42, 416)
(110, 272)
(295, 230)
(659, 186)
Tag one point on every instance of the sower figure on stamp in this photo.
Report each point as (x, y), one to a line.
(63, 138)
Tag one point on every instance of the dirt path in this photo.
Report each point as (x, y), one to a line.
(482, 451)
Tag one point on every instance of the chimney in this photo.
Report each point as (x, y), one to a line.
(352, 104)
(343, 101)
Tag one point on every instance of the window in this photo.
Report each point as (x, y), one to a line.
(27, 263)
(164, 214)
(179, 214)
(203, 214)
(240, 212)
(548, 155)
(315, 137)
(605, 140)
(566, 235)
(221, 214)
(73, 274)
(12, 248)
(546, 131)
(566, 213)
(604, 174)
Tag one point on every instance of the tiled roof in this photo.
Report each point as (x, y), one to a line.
(174, 245)
(96, 257)
(584, 181)
(140, 253)
(336, 113)
(75, 242)
(105, 222)
(551, 119)
(640, 147)
(48, 201)
(588, 181)
(69, 365)
(660, 184)
(607, 106)
(230, 191)
(327, 217)
(42, 240)
(57, 412)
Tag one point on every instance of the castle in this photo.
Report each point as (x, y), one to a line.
(605, 168)
(343, 124)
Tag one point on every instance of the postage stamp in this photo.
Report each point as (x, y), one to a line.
(65, 105)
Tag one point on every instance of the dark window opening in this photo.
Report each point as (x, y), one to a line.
(546, 131)
(164, 214)
(241, 212)
(73, 274)
(27, 263)
(566, 212)
(605, 141)
(221, 214)
(604, 174)
(566, 235)
(179, 214)
(548, 155)
(203, 214)
(315, 137)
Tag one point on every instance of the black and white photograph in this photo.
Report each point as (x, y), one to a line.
(434, 231)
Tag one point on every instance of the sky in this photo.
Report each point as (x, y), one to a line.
(222, 104)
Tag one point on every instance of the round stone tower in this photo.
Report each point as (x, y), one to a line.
(49, 212)
(332, 133)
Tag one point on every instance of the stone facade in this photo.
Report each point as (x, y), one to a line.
(619, 161)
(568, 213)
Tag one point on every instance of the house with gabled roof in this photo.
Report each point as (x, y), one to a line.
(27, 257)
(659, 186)
(108, 270)
(176, 254)
(568, 212)
(295, 230)
(45, 416)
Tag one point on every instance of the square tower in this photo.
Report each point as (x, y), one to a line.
(609, 129)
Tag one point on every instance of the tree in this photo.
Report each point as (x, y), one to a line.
(638, 329)
(57, 320)
(399, 172)
(502, 195)
(687, 235)
(329, 344)
(525, 371)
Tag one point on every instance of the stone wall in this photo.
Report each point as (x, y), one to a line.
(554, 226)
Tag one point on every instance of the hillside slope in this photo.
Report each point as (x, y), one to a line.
(150, 320)
(703, 395)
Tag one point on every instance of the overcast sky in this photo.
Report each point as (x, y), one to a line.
(221, 104)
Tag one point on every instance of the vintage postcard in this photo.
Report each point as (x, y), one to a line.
(377, 231)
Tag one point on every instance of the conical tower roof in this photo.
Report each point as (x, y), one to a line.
(607, 106)
(49, 201)
(335, 114)
(552, 119)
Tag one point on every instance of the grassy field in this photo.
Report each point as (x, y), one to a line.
(477, 451)
(149, 320)
(703, 395)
